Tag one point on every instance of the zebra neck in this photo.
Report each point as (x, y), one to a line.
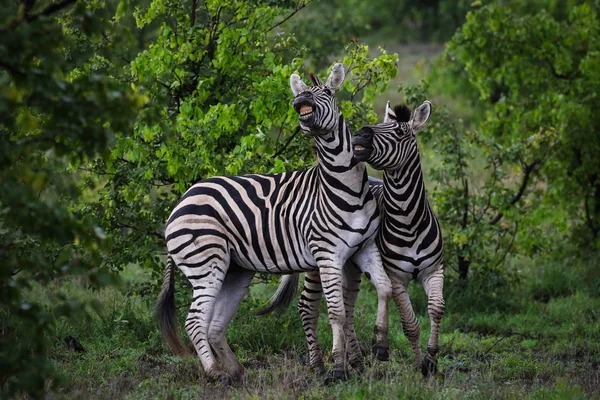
(336, 162)
(404, 198)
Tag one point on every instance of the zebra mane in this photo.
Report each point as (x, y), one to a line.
(402, 113)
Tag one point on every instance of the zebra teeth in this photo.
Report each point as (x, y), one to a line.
(305, 111)
(358, 147)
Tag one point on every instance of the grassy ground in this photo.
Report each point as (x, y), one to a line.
(539, 340)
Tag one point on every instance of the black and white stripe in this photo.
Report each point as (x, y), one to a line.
(410, 240)
(227, 228)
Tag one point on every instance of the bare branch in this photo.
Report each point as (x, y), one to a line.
(193, 12)
(296, 10)
(287, 143)
(11, 68)
(506, 334)
(51, 9)
(529, 169)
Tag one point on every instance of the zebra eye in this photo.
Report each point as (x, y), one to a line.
(327, 91)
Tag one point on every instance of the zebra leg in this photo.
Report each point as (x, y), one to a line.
(351, 279)
(331, 280)
(434, 287)
(410, 323)
(206, 281)
(308, 308)
(233, 290)
(369, 261)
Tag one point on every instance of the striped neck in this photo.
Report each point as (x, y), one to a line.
(404, 198)
(337, 164)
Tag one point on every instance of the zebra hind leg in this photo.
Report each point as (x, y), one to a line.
(369, 261)
(206, 280)
(410, 323)
(351, 275)
(434, 287)
(308, 308)
(235, 286)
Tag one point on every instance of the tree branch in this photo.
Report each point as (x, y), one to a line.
(193, 12)
(506, 334)
(11, 68)
(122, 225)
(51, 9)
(287, 143)
(296, 10)
(529, 169)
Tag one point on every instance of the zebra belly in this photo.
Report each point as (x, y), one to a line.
(406, 261)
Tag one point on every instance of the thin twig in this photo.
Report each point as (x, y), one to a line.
(296, 10)
(51, 9)
(506, 334)
(287, 143)
(529, 169)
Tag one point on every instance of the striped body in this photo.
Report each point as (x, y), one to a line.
(271, 223)
(409, 239)
(227, 228)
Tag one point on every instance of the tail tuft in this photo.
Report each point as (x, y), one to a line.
(165, 312)
(286, 291)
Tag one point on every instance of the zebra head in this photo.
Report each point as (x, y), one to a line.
(316, 105)
(391, 144)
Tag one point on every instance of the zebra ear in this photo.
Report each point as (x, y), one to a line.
(316, 81)
(297, 85)
(420, 116)
(390, 115)
(336, 78)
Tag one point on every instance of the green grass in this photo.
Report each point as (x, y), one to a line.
(539, 339)
(535, 348)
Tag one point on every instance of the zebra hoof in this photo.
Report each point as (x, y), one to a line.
(321, 370)
(429, 367)
(336, 376)
(223, 379)
(358, 365)
(381, 352)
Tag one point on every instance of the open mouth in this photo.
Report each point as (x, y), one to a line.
(305, 112)
(362, 148)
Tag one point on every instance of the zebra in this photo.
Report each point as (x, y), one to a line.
(225, 229)
(409, 239)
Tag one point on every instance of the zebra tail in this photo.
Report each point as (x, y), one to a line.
(165, 312)
(286, 291)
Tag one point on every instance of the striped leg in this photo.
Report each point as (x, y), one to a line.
(206, 281)
(234, 288)
(369, 261)
(331, 279)
(434, 287)
(308, 308)
(410, 323)
(351, 277)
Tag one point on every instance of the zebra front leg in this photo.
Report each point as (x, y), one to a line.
(331, 280)
(369, 261)
(207, 282)
(351, 280)
(410, 323)
(434, 287)
(308, 308)
(233, 290)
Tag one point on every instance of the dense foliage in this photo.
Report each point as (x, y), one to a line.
(535, 127)
(110, 109)
(51, 123)
(97, 147)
